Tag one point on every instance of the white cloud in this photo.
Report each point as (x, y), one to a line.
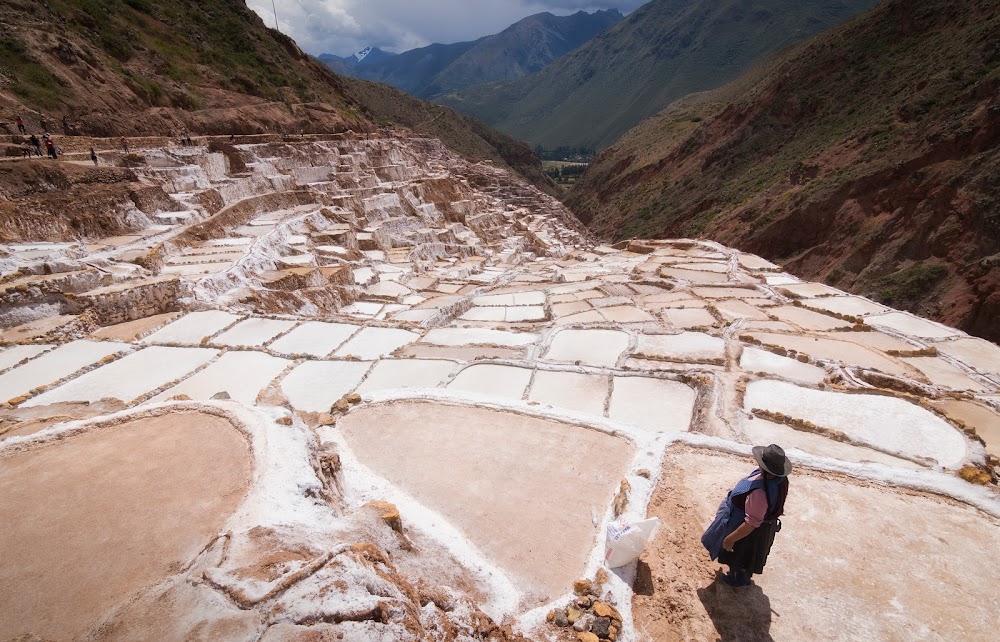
(345, 26)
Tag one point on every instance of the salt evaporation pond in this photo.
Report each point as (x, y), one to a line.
(130, 377)
(314, 386)
(315, 338)
(242, 375)
(889, 424)
(193, 327)
(55, 365)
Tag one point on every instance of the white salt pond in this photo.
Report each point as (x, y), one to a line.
(15, 354)
(315, 338)
(240, 374)
(887, 423)
(807, 319)
(754, 360)
(694, 346)
(453, 337)
(911, 325)
(688, 317)
(941, 373)
(192, 328)
(407, 373)
(130, 377)
(762, 432)
(54, 365)
(571, 390)
(314, 386)
(590, 347)
(658, 405)
(372, 343)
(978, 353)
(491, 379)
(852, 305)
(253, 332)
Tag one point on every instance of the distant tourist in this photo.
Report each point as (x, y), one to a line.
(66, 126)
(189, 141)
(743, 530)
(36, 143)
(124, 144)
(25, 150)
(50, 147)
(93, 156)
(232, 138)
(20, 123)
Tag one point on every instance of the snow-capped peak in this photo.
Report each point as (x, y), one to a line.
(361, 55)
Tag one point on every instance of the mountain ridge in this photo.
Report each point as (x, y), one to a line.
(663, 50)
(524, 47)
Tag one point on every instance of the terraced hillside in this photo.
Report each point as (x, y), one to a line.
(159, 68)
(323, 389)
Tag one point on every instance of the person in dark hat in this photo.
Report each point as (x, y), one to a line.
(743, 530)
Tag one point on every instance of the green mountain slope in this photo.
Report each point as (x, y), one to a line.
(160, 67)
(867, 157)
(662, 51)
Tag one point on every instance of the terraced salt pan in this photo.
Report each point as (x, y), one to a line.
(253, 332)
(658, 405)
(240, 374)
(315, 338)
(515, 299)
(16, 354)
(734, 309)
(407, 373)
(809, 290)
(754, 360)
(372, 343)
(518, 475)
(192, 328)
(570, 390)
(54, 365)
(985, 421)
(833, 350)
(625, 314)
(978, 353)
(692, 346)
(694, 276)
(807, 319)
(493, 314)
(911, 325)
(130, 377)
(590, 347)
(494, 380)
(686, 318)
(851, 305)
(762, 432)
(478, 336)
(887, 423)
(729, 293)
(942, 373)
(314, 386)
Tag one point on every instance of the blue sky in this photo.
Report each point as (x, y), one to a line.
(344, 26)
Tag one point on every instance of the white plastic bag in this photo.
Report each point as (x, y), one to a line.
(626, 540)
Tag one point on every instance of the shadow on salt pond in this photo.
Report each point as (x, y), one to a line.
(739, 614)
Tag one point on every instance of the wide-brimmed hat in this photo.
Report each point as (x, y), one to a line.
(772, 459)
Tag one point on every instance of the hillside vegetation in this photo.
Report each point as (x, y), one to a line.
(523, 48)
(662, 51)
(866, 158)
(162, 67)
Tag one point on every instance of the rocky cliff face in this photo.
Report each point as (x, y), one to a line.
(866, 158)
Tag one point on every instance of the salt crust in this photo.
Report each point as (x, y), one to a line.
(130, 377)
(889, 424)
(56, 364)
(193, 327)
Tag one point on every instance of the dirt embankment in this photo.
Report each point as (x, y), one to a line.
(59, 201)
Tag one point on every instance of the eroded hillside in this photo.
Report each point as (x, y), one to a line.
(866, 158)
